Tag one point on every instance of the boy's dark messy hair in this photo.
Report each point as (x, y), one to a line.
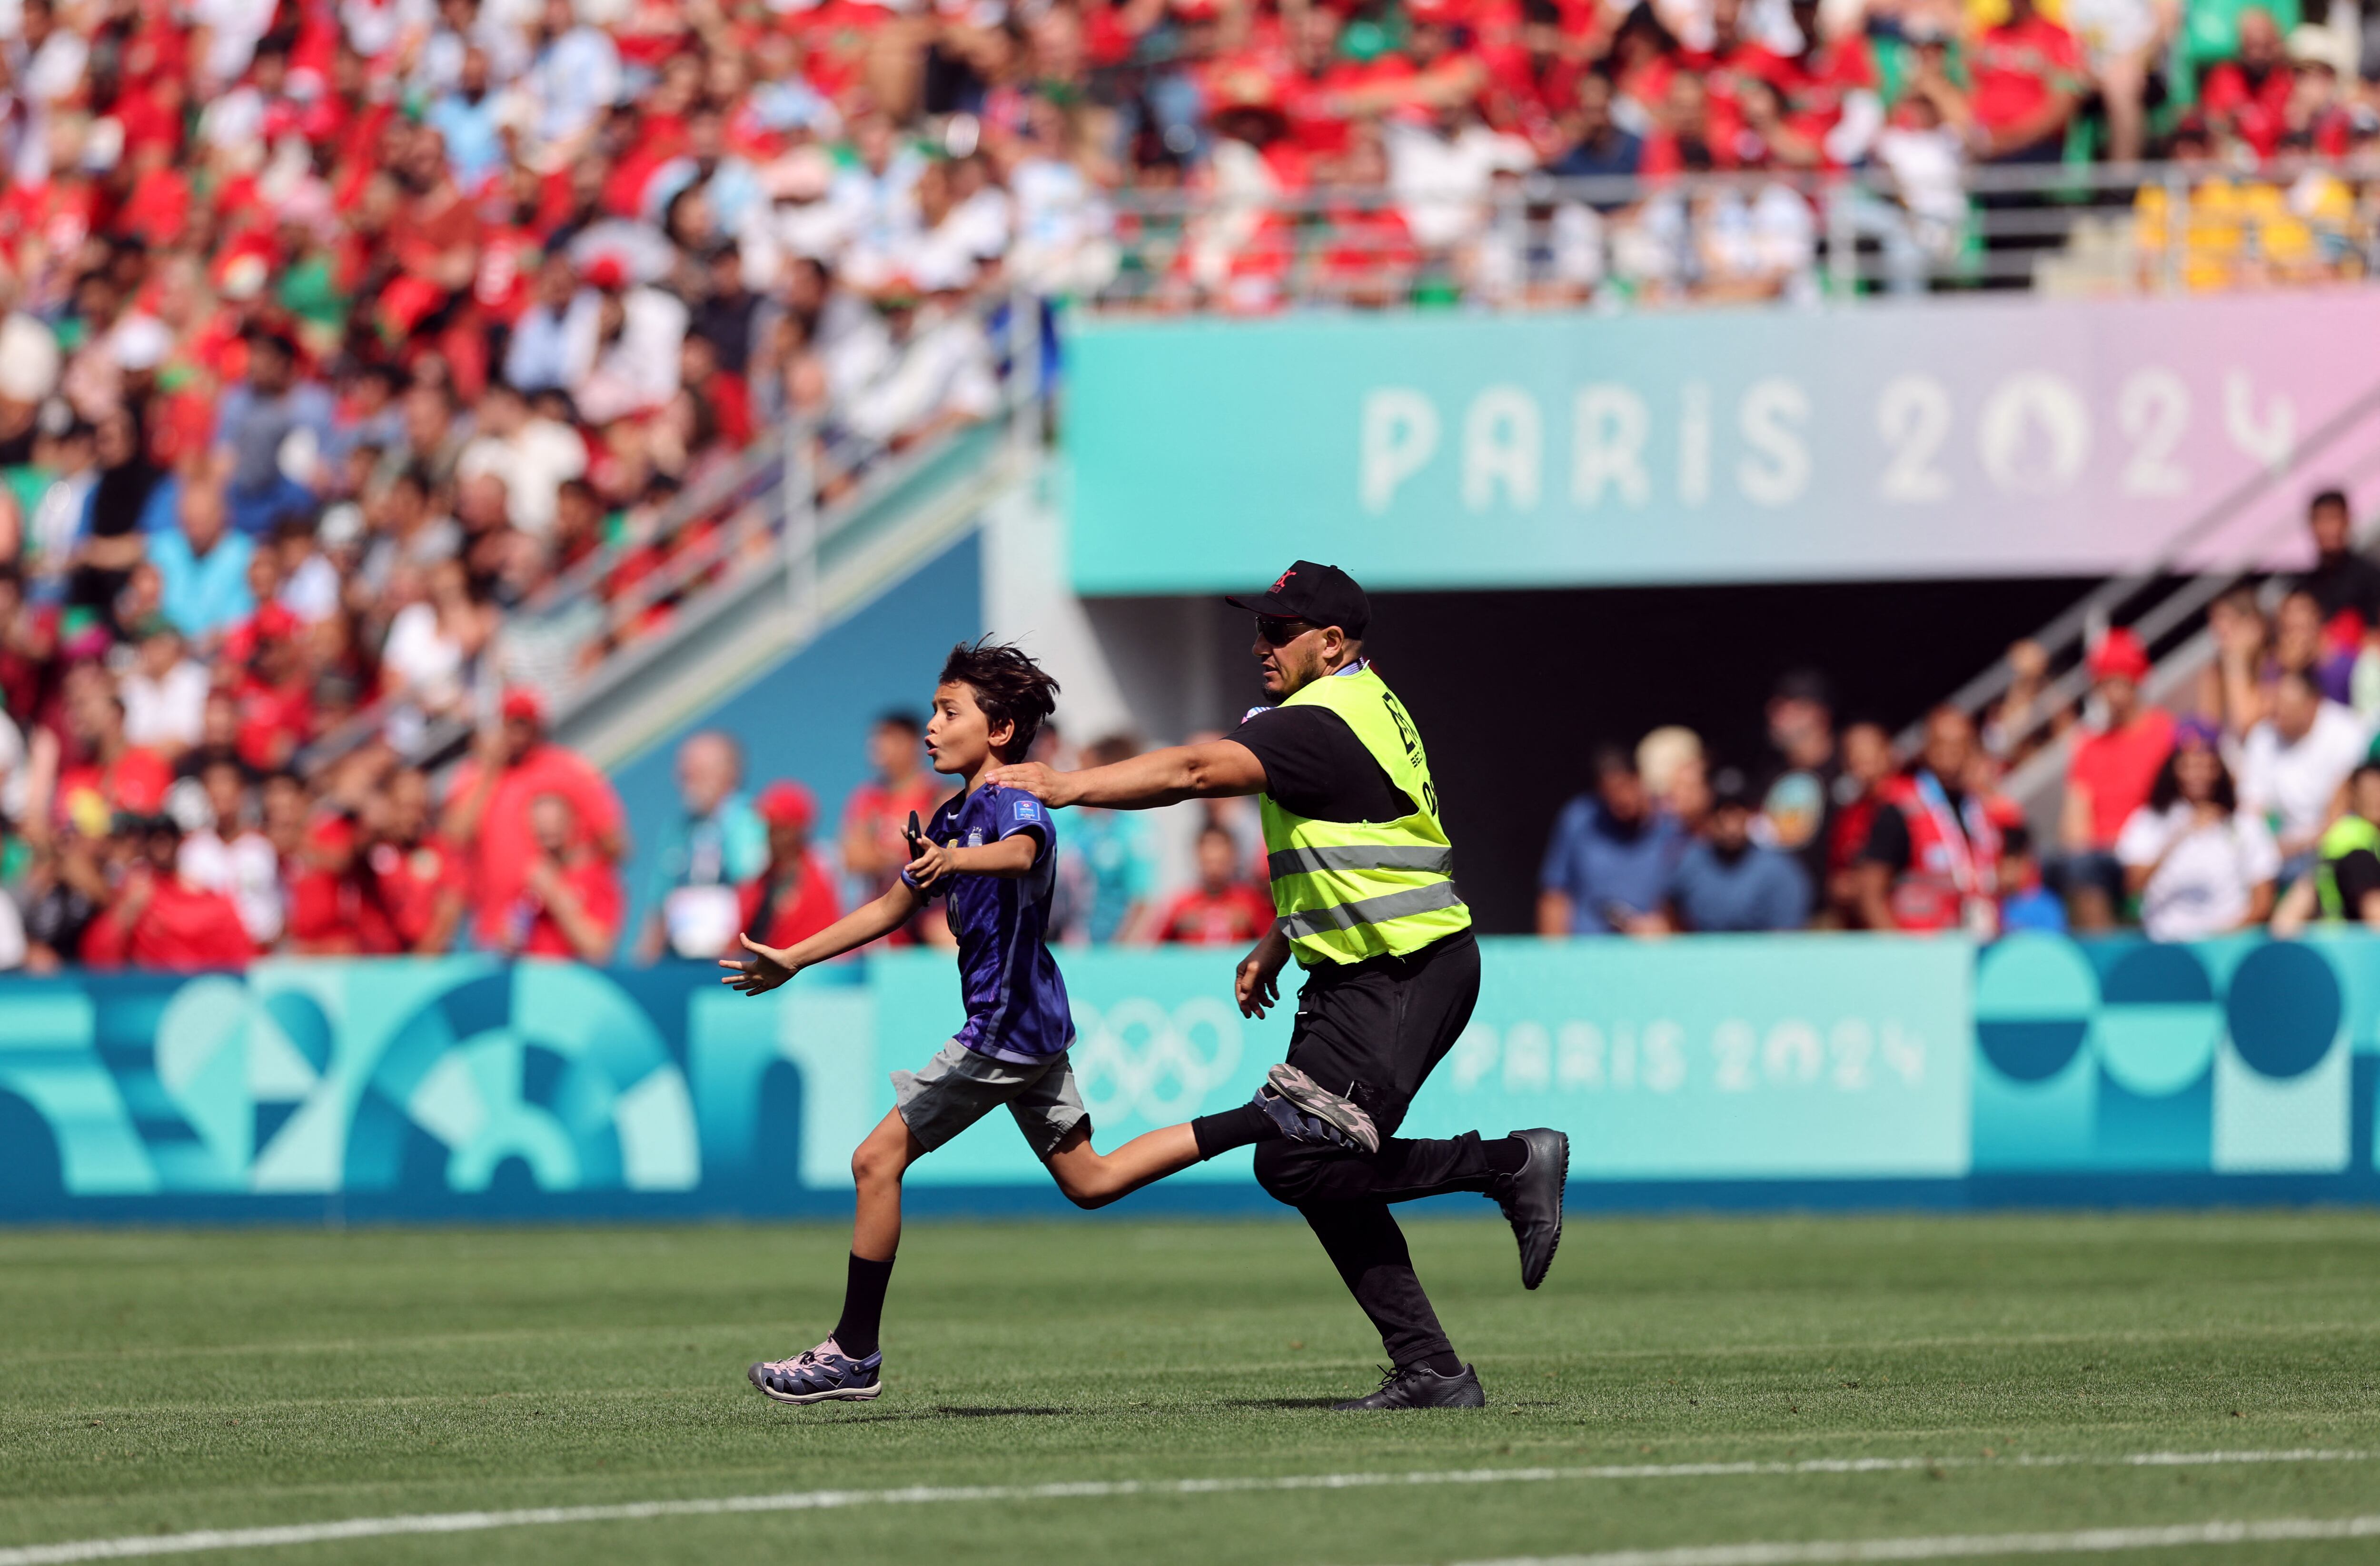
(1008, 685)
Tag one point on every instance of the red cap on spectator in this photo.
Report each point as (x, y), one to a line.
(786, 803)
(331, 832)
(522, 703)
(607, 273)
(140, 790)
(2120, 655)
(275, 623)
(2343, 632)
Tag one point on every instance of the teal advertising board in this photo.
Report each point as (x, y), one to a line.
(1784, 1070)
(2015, 436)
(1812, 1058)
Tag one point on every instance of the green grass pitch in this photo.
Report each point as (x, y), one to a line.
(158, 1382)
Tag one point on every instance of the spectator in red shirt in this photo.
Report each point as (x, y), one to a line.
(2248, 97)
(488, 810)
(792, 898)
(2027, 79)
(1221, 910)
(423, 880)
(275, 696)
(159, 919)
(1868, 765)
(2108, 776)
(570, 904)
(334, 903)
(873, 851)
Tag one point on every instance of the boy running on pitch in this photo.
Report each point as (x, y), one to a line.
(993, 853)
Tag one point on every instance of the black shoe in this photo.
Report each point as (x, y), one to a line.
(1532, 1199)
(1416, 1385)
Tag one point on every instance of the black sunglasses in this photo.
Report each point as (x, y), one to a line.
(1276, 632)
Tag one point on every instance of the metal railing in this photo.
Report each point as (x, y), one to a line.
(792, 496)
(1535, 240)
(2165, 602)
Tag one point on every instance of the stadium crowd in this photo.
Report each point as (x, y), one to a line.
(339, 339)
(2251, 797)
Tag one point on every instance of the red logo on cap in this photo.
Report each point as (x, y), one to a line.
(1280, 580)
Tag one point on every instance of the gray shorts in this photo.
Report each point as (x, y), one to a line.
(958, 1087)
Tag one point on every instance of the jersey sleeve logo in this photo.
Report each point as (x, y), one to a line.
(1025, 809)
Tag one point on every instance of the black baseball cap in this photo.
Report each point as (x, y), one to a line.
(1316, 593)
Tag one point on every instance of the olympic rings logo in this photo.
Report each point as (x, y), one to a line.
(1139, 1059)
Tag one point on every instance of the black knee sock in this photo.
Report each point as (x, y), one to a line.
(863, 1306)
(1235, 1127)
(1505, 1154)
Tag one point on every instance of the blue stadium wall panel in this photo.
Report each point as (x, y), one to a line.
(807, 717)
(1802, 1072)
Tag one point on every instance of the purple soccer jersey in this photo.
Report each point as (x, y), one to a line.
(1016, 1006)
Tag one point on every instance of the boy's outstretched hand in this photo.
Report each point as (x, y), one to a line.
(764, 971)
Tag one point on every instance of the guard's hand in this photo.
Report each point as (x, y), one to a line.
(1256, 981)
(763, 971)
(1051, 787)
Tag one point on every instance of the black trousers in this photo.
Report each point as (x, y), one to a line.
(1374, 1031)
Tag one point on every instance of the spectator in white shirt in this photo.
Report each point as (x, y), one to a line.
(226, 852)
(935, 371)
(165, 694)
(623, 355)
(534, 456)
(1441, 172)
(2293, 763)
(430, 643)
(2200, 865)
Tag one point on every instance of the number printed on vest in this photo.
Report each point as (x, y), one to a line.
(1412, 738)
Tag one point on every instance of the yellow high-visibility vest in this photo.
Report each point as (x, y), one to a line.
(1354, 890)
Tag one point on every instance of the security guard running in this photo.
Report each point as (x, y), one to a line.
(1363, 884)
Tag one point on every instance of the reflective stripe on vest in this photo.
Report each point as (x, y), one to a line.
(1305, 861)
(1350, 890)
(1373, 911)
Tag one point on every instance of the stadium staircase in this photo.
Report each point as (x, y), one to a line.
(2165, 601)
(744, 568)
(782, 573)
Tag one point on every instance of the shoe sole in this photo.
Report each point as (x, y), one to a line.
(1562, 1192)
(832, 1394)
(1329, 1108)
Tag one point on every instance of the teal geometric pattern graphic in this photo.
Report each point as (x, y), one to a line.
(2127, 1056)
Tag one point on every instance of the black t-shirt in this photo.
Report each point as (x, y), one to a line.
(1316, 768)
(2350, 582)
(1802, 805)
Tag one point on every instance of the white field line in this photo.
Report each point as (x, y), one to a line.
(1097, 1490)
(1959, 1547)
